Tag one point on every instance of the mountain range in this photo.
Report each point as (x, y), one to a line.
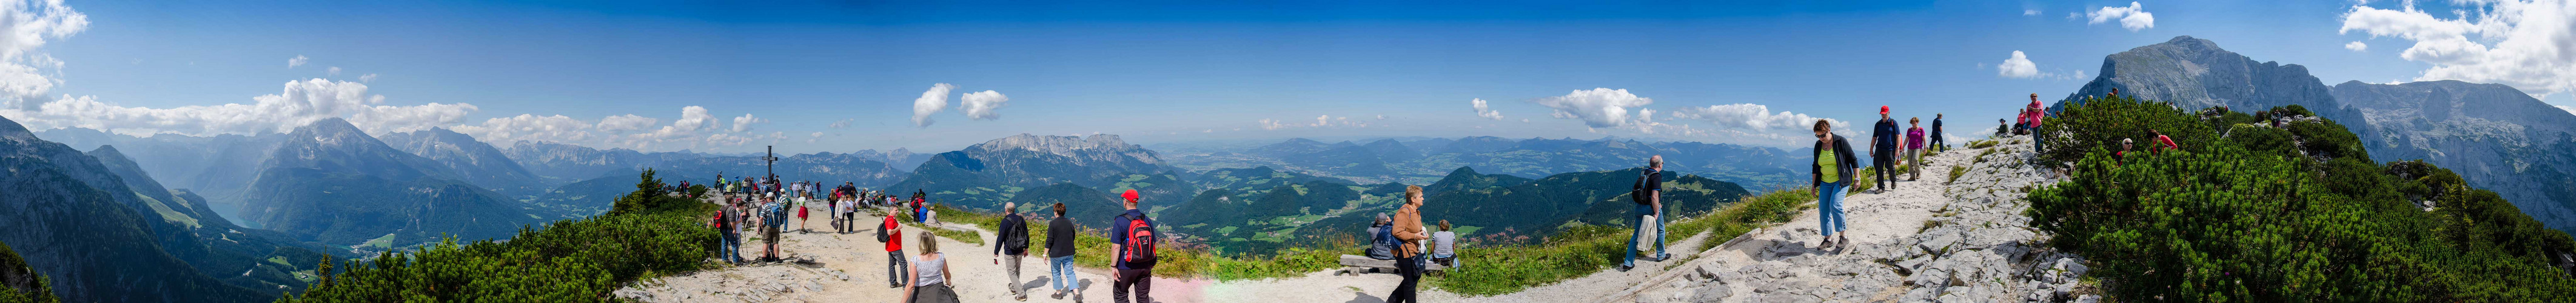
(2495, 136)
(332, 183)
(76, 221)
(1422, 160)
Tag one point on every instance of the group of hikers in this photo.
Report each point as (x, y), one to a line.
(1889, 150)
(761, 205)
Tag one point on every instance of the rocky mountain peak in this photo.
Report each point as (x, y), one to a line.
(11, 130)
(1060, 145)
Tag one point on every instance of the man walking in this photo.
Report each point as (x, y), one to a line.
(1882, 151)
(1132, 240)
(1650, 212)
(1014, 239)
(1937, 141)
(891, 232)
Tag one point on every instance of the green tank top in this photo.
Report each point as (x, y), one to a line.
(1826, 163)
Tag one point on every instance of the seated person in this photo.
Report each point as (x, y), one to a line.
(1444, 246)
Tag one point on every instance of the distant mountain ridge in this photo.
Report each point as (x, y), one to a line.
(1426, 160)
(332, 183)
(76, 222)
(985, 175)
(471, 159)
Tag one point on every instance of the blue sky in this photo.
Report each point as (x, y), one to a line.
(1151, 73)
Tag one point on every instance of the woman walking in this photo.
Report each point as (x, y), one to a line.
(1914, 150)
(930, 274)
(1832, 172)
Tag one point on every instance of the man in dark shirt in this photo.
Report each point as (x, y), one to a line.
(1135, 276)
(1936, 134)
(1013, 244)
(1653, 189)
(1882, 150)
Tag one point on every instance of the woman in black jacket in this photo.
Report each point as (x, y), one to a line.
(1060, 252)
(1832, 170)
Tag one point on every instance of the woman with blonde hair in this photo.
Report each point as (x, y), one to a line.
(1408, 255)
(929, 286)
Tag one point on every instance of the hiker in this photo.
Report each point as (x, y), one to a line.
(1648, 193)
(2029, 122)
(930, 280)
(1832, 173)
(919, 213)
(1882, 151)
(2122, 156)
(1131, 244)
(804, 213)
(732, 240)
(1937, 141)
(891, 232)
(2001, 129)
(1014, 240)
(1914, 150)
(930, 215)
(776, 220)
(1444, 246)
(2162, 139)
(1408, 258)
(1060, 252)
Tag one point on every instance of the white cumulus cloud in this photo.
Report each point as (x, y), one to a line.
(2356, 46)
(743, 123)
(1483, 111)
(2527, 44)
(299, 103)
(2030, 12)
(367, 78)
(335, 71)
(931, 102)
(2019, 66)
(298, 60)
(625, 123)
(1598, 107)
(2134, 17)
(980, 105)
(528, 127)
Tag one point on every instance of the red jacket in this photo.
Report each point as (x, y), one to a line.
(893, 232)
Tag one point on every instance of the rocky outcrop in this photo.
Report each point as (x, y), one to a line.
(2194, 73)
(472, 160)
(74, 221)
(1926, 241)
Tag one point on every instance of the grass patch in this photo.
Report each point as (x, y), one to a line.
(1955, 172)
(1582, 249)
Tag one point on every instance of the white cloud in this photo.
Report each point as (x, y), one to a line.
(29, 25)
(743, 123)
(844, 123)
(299, 103)
(980, 105)
(2527, 44)
(2571, 110)
(368, 78)
(1598, 108)
(2019, 66)
(335, 71)
(625, 123)
(527, 127)
(931, 102)
(1487, 113)
(2030, 12)
(2356, 46)
(692, 119)
(1320, 122)
(298, 60)
(2134, 17)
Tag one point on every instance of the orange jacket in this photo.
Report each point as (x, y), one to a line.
(1408, 228)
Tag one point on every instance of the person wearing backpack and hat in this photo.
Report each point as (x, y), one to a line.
(1014, 240)
(1131, 245)
(1408, 256)
(1648, 193)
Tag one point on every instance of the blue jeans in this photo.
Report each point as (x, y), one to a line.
(1060, 269)
(1640, 233)
(730, 250)
(1829, 207)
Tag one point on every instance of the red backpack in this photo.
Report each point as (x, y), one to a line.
(1140, 243)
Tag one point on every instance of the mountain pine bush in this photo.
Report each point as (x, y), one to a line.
(579, 260)
(2276, 215)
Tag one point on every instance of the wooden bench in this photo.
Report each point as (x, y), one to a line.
(1355, 265)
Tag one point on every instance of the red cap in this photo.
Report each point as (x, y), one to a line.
(1131, 195)
(1882, 109)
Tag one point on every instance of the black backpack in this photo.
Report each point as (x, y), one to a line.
(1638, 193)
(1382, 243)
(1015, 235)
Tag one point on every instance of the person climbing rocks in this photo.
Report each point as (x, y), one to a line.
(1882, 151)
(1649, 212)
(891, 233)
(1914, 150)
(1408, 262)
(1014, 240)
(1131, 244)
(1060, 252)
(1832, 173)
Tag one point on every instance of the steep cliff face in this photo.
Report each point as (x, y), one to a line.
(2196, 73)
(2495, 136)
(75, 222)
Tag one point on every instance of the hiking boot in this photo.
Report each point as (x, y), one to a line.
(1660, 257)
(1626, 267)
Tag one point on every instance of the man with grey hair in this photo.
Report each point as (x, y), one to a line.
(1648, 193)
(1012, 244)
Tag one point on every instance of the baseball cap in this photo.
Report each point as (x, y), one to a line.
(1882, 109)
(1130, 195)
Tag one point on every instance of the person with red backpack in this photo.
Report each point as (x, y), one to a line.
(1131, 245)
